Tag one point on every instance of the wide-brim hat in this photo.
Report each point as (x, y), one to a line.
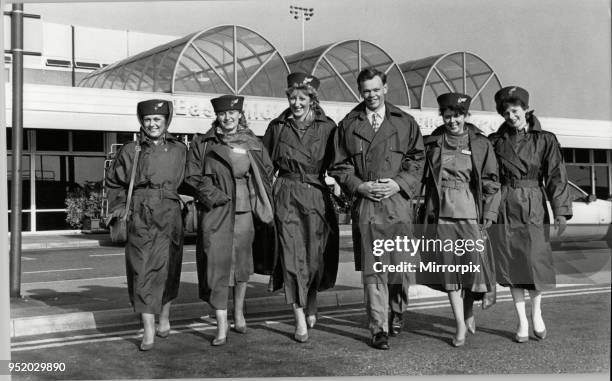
(512, 93)
(227, 103)
(155, 107)
(454, 100)
(302, 79)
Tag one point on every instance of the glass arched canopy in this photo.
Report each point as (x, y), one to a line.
(220, 60)
(462, 72)
(337, 66)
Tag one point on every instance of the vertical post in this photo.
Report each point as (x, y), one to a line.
(5, 302)
(73, 62)
(303, 22)
(17, 144)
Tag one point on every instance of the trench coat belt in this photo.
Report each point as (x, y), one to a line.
(157, 192)
(455, 184)
(521, 183)
(303, 177)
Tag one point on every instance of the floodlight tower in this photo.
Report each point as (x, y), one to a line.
(303, 14)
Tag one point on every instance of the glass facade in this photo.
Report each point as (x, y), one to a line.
(590, 169)
(337, 66)
(221, 60)
(53, 163)
(463, 72)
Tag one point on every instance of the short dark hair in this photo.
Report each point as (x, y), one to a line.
(455, 109)
(369, 73)
(502, 106)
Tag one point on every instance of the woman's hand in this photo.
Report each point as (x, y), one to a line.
(560, 224)
(117, 213)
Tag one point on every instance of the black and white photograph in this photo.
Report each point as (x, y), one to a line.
(224, 189)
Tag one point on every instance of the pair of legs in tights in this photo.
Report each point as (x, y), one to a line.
(239, 320)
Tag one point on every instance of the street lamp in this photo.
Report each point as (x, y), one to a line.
(303, 14)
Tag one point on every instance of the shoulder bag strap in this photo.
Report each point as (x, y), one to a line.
(132, 177)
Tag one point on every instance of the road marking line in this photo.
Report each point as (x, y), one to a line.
(106, 255)
(28, 258)
(59, 270)
(189, 263)
(84, 279)
(280, 319)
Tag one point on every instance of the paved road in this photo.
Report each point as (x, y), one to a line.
(578, 319)
(575, 262)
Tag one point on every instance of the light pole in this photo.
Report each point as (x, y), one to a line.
(302, 14)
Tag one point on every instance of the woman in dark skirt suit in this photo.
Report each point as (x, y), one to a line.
(230, 174)
(532, 171)
(461, 202)
(154, 249)
(300, 143)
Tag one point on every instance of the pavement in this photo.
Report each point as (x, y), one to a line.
(49, 307)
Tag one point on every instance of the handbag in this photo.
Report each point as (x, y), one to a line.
(118, 226)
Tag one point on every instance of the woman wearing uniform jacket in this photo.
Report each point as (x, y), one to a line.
(154, 249)
(230, 174)
(461, 201)
(300, 142)
(531, 170)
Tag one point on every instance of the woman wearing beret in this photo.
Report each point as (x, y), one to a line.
(532, 171)
(300, 143)
(230, 174)
(461, 202)
(154, 249)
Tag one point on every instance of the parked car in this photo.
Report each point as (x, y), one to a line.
(591, 220)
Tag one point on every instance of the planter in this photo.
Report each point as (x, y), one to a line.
(92, 224)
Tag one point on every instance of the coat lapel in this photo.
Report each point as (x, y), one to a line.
(222, 152)
(508, 155)
(433, 145)
(364, 130)
(385, 131)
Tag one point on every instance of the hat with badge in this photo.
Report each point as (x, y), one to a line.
(227, 103)
(154, 107)
(302, 79)
(511, 94)
(454, 101)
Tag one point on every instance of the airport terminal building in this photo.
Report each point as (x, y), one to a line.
(80, 96)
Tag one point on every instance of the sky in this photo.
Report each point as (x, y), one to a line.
(560, 50)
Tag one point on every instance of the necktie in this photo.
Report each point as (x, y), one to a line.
(375, 122)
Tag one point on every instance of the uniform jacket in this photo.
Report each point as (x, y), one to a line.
(484, 180)
(539, 158)
(395, 151)
(155, 226)
(309, 157)
(209, 175)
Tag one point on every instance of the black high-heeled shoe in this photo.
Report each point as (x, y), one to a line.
(470, 324)
(311, 320)
(221, 341)
(162, 334)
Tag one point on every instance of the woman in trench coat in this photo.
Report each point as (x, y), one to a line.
(154, 249)
(461, 202)
(230, 174)
(532, 171)
(300, 143)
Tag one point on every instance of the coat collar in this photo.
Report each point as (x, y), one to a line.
(143, 139)
(364, 129)
(360, 111)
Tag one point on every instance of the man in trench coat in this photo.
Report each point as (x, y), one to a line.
(379, 159)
